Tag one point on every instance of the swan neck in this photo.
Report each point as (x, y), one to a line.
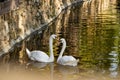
(62, 51)
(51, 49)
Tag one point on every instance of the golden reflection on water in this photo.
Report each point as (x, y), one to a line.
(34, 71)
(92, 33)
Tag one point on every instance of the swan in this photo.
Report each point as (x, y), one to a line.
(41, 56)
(66, 60)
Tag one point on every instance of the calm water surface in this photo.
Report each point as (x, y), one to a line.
(92, 32)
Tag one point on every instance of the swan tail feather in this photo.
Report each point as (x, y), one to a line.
(28, 52)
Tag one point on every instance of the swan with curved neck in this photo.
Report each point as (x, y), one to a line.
(41, 56)
(66, 60)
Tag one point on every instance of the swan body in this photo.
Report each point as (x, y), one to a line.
(41, 56)
(66, 60)
(38, 56)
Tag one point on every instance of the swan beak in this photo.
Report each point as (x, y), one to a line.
(55, 36)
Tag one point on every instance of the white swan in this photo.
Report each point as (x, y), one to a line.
(66, 60)
(41, 56)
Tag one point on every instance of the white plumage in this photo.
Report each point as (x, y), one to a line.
(66, 60)
(41, 56)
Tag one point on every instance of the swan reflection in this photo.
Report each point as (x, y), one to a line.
(67, 69)
(37, 64)
(68, 72)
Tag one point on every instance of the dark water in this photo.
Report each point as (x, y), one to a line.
(92, 32)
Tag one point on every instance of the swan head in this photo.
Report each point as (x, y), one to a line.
(53, 36)
(62, 40)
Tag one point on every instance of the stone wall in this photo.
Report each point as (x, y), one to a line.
(20, 18)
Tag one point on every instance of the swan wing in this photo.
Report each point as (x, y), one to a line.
(68, 58)
(39, 56)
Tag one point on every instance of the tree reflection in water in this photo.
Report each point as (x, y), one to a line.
(92, 34)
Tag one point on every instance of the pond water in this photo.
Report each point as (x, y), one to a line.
(92, 33)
